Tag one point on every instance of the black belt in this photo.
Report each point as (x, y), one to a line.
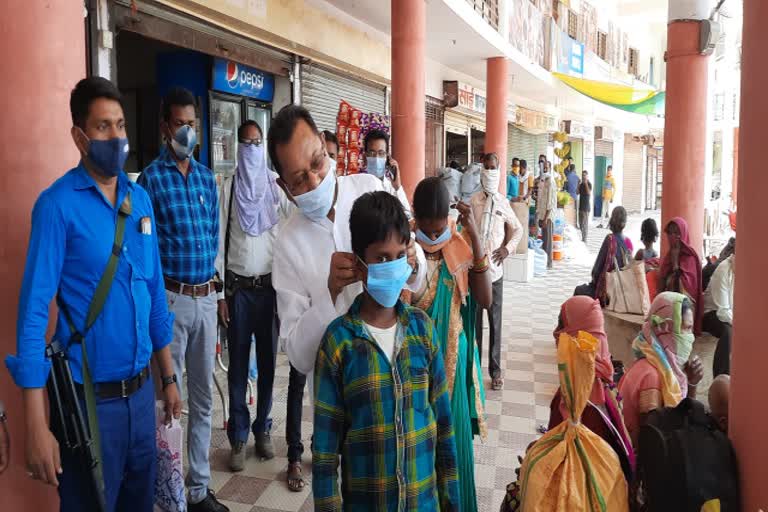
(236, 282)
(121, 389)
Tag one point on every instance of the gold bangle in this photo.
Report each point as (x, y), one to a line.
(481, 265)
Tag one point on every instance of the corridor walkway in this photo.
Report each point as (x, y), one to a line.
(513, 414)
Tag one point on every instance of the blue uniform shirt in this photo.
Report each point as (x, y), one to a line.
(513, 186)
(187, 212)
(73, 231)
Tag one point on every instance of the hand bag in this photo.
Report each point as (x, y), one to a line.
(627, 289)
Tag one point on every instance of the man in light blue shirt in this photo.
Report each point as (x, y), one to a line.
(72, 238)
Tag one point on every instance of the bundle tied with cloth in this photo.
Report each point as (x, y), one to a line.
(570, 467)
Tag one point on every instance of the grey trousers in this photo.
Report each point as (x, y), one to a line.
(546, 237)
(584, 225)
(194, 348)
(494, 334)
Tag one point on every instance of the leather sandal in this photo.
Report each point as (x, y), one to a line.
(497, 383)
(295, 479)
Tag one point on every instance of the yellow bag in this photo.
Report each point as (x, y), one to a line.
(571, 468)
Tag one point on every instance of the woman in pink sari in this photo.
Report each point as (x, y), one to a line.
(681, 269)
(603, 414)
(664, 372)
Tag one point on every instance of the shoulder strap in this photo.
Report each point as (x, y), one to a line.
(229, 227)
(94, 310)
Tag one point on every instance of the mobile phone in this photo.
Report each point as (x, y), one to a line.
(391, 171)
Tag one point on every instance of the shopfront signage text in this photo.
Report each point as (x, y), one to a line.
(471, 98)
(235, 78)
(533, 120)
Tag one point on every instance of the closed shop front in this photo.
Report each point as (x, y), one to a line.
(604, 148)
(525, 146)
(322, 89)
(634, 174)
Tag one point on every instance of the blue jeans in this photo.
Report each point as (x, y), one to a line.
(252, 312)
(127, 428)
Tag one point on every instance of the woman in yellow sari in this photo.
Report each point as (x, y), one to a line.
(457, 268)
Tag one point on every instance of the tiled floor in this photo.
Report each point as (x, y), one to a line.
(528, 355)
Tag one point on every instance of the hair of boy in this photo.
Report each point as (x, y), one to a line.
(375, 217)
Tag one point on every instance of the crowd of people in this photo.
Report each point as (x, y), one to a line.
(378, 303)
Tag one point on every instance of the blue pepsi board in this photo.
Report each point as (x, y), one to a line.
(235, 78)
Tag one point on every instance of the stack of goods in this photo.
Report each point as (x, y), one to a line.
(351, 127)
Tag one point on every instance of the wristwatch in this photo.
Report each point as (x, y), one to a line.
(167, 381)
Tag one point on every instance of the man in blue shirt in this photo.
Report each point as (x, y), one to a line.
(73, 233)
(513, 181)
(184, 198)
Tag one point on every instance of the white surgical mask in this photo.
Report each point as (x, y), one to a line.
(316, 203)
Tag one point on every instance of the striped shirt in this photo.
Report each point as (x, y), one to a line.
(390, 423)
(187, 215)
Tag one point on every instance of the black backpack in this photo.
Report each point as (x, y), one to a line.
(684, 460)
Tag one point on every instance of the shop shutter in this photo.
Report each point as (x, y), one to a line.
(604, 148)
(526, 146)
(434, 113)
(456, 123)
(633, 175)
(322, 90)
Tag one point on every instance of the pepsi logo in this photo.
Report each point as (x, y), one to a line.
(233, 75)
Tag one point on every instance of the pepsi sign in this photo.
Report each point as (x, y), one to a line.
(235, 78)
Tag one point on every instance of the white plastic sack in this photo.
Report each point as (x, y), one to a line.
(169, 484)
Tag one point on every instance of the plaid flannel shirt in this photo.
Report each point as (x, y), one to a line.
(187, 216)
(389, 422)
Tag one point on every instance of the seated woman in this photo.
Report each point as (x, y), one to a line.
(663, 374)
(602, 414)
(615, 248)
(680, 269)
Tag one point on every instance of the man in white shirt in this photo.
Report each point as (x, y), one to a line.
(378, 163)
(546, 205)
(251, 206)
(500, 232)
(718, 313)
(314, 270)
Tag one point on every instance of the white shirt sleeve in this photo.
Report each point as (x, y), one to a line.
(224, 192)
(302, 321)
(400, 193)
(721, 284)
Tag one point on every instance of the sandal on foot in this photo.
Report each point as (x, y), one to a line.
(497, 383)
(295, 479)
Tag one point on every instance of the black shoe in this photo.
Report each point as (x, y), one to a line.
(209, 504)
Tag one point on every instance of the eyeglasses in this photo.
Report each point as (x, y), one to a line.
(373, 154)
(254, 142)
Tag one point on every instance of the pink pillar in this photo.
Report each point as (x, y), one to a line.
(748, 419)
(408, 77)
(684, 130)
(496, 114)
(42, 48)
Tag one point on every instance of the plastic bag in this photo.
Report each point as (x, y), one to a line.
(571, 467)
(170, 495)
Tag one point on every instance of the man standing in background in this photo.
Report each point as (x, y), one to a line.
(513, 181)
(546, 205)
(585, 195)
(185, 201)
(500, 232)
(252, 206)
(609, 188)
(379, 164)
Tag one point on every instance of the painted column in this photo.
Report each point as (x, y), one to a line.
(685, 135)
(748, 418)
(408, 90)
(496, 114)
(42, 48)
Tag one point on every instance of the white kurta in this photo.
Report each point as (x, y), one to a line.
(301, 268)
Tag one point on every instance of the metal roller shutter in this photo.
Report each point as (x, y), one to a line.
(633, 175)
(322, 90)
(456, 123)
(604, 148)
(526, 146)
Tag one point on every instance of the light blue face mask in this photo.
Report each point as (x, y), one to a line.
(377, 165)
(316, 203)
(184, 142)
(386, 280)
(425, 240)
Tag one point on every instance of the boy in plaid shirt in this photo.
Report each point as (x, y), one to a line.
(381, 396)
